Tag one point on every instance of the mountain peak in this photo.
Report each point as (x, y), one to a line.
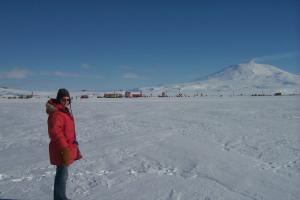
(249, 70)
(259, 69)
(245, 77)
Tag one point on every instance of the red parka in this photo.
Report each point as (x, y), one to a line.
(61, 130)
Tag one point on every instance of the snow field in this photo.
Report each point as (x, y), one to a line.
(164, 149)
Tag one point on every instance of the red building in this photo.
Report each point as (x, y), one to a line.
(133, 94)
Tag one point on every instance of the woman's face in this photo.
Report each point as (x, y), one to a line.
(65, 101)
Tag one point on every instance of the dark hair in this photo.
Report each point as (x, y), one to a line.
(62, 93)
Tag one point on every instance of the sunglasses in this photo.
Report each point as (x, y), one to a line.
(65, 100)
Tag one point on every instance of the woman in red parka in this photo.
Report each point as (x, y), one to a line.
(63, 147)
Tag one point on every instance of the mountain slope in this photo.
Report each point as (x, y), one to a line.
(246, 78)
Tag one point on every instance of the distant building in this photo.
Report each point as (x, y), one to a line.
(163, 94)
(179, 95)
(25, 96)
(278, 94)
(84, 97)
(133, 94)
(113, 95)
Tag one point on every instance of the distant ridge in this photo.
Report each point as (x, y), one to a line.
(9, 92)
(5, 91)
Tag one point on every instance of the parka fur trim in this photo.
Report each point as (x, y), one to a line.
(50, 108)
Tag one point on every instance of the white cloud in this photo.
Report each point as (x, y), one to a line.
(277, 56)
(66, 74)
(73, 75)
(86, 66)
(94, 76)
(126, 67)
(15, 74)
(130, 75)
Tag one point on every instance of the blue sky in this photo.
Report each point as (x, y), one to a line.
(105, 45)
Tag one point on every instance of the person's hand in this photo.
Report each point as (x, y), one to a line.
(66, 156)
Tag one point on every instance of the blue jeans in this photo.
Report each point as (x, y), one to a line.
(60, 183)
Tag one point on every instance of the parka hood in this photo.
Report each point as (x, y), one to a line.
(53, 105)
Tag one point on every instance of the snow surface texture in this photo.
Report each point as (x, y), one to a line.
(246, 78)
(208, 148)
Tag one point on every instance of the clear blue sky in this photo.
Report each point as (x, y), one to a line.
(103, 45)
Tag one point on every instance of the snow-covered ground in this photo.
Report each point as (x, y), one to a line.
(159, 149)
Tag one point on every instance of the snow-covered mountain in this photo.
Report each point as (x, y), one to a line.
(4, 91)
(247, 78)
(10, 92)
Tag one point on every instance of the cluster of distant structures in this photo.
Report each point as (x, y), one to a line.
(139, 94)
(20, 96)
